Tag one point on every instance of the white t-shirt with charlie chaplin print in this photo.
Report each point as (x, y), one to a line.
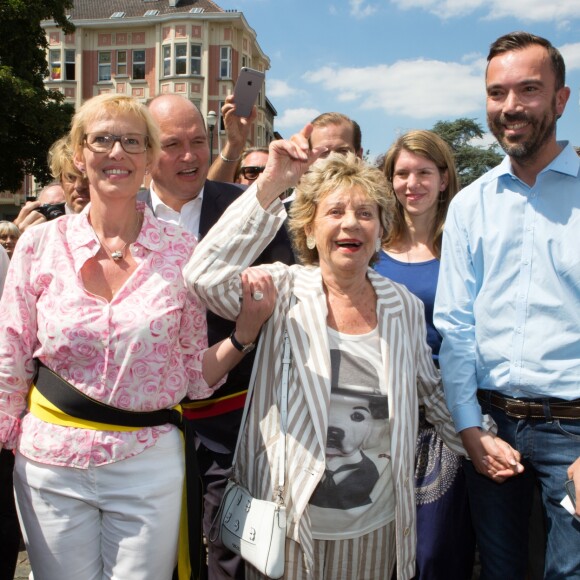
(356, 494)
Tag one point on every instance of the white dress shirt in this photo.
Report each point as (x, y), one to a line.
(189, 216)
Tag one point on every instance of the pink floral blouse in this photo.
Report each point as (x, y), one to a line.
(142, 351)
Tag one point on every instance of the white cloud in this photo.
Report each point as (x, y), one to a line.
(526, 10)
(292, 118)
(571, 54)
(280, 89)
(420, 89)
(360, 10)
(486, 141)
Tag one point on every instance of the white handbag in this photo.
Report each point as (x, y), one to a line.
(254, 528)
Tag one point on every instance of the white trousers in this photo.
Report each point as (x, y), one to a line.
(116, 522)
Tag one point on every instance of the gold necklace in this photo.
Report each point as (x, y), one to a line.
(117, 255)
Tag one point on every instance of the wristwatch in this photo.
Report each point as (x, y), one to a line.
(244, 348)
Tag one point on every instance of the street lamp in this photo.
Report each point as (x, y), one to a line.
(211, 122)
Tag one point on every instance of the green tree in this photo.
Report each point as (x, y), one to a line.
(31, 117)
(471, 160)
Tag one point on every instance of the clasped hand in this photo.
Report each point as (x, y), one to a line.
(491, 456)
(256, 282)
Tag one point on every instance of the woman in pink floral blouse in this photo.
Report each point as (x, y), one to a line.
(99, 299)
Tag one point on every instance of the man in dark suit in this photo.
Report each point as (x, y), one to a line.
(181, 193)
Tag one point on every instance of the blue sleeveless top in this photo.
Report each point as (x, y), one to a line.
(420, 278)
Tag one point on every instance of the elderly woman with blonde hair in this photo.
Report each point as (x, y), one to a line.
(359, 368)
(9, 235)
(96, 307)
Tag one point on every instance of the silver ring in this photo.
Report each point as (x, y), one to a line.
(257, 296)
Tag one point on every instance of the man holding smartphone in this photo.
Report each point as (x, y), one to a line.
(181, 193)
(335, 131)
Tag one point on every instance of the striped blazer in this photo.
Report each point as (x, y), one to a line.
(412, 379)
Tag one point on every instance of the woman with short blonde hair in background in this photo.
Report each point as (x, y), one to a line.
(9, 235)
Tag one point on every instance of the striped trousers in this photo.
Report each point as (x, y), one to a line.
(368, 557)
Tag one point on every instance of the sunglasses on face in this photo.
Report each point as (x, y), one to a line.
(251, 172)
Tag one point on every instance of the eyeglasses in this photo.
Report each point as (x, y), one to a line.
(251, 172)
(104, 142)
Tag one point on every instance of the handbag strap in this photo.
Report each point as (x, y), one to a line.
(286, 360)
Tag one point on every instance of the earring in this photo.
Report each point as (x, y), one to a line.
(378, 245)
(310, 242)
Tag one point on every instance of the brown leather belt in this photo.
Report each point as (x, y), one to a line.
(522, 409)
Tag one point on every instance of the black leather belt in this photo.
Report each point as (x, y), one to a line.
(531, 409)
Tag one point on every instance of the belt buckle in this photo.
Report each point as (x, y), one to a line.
(513, 408)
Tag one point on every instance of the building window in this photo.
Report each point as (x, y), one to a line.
(196, 59)
(69, 65)
(122, 62)
(138, 65)
(181, 59)
(167, 60)
(105, 66)
(225, 62)
(260, 139)
(55, 66)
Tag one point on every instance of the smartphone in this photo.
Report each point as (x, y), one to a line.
(571, 491)
(246, 91)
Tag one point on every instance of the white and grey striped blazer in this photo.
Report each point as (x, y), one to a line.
(412, 379)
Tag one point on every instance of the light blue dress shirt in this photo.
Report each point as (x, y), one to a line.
(508, 299)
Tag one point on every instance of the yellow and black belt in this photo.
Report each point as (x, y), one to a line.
(56, 401)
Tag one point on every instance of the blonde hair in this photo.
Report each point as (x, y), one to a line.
(8, 228)
(326, 176)
(102, 106)
(60, 160)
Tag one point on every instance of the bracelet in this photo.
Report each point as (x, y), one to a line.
(229, 160)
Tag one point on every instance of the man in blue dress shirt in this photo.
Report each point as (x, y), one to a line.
(508, 308)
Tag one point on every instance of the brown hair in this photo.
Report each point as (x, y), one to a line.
(430, 146)
(339, 119)
(244, 154)
(520, 40)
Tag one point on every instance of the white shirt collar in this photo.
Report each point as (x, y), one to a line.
(189, 216)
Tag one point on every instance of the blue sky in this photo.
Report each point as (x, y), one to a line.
(395, 65)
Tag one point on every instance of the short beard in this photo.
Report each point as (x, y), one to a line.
(525, 150)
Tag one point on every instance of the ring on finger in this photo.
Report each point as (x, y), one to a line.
(257, 296)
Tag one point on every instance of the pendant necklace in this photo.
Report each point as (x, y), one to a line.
(119, 254)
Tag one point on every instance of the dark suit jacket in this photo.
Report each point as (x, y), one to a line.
(217, 197)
